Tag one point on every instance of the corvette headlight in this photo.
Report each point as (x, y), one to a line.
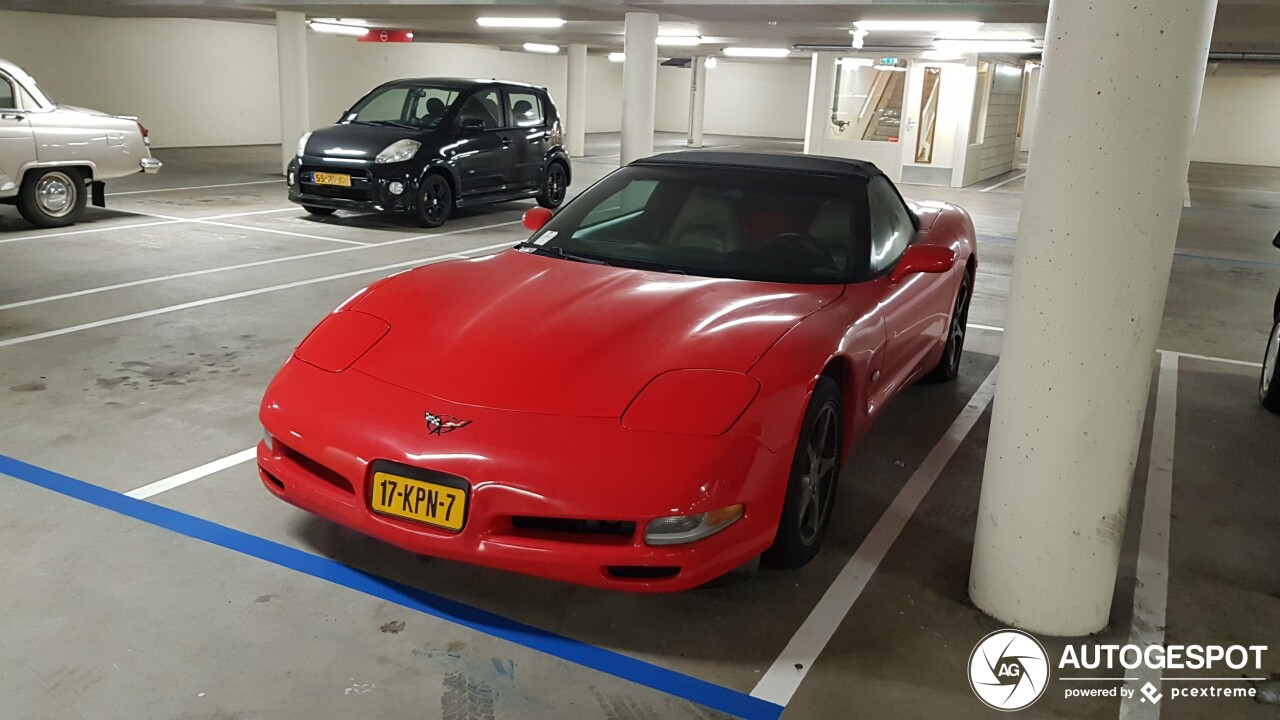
(398, 151)
(681, 529)
(302, 144)
(691, 402)
(340, 339)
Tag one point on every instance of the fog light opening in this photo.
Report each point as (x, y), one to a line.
(681, 529)
(396, 188)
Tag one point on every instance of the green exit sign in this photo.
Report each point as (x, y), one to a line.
(888, 61)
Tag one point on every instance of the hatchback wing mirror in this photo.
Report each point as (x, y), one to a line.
(923, 259)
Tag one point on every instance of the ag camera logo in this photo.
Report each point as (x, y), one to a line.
(1008, 670)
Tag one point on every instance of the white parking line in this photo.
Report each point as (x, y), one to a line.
(782, 679)
(241, 266)
(1193, 356)
(1002, 183)
(159, 220)
(195, 187)
(1151, 587)
(273, 231)
(236, 296)
(183, 478)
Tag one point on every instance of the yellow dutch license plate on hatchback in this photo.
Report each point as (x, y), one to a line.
(425, 502)
(337, 179)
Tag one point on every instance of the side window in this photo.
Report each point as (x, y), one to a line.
(8, 98)
(526, 109)
(891, 226)
(485, 106)
(627, 201)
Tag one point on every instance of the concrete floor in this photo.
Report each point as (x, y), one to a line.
(135, 346)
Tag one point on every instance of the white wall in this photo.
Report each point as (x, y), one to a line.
(1239, 121)
(996, 153)
(763, 99)
(604, 95)
(191, 82)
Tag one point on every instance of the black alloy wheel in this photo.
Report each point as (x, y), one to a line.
(555, 184)
(435, 201)
(949, 366)
(815, 473)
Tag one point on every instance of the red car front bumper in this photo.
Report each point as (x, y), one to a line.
(329, 428)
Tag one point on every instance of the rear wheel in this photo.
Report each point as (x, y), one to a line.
(555, 183)
(52, 198)
(1269, 389)
(318, 211)
(949, 366)
(435, 201)
(811, 489)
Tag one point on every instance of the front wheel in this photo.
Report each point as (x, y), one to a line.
(949, 366)
(1269, 389)
(435, 201)
(811, 489)
(555, 184)
(52, 198)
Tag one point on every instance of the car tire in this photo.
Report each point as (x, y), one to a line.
(554, 186)
(319, 211)
(53, 197)
(948, 366)
(811, 488)
(1268, 387)
(435, 200)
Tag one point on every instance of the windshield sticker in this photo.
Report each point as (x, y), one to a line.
(546, 238)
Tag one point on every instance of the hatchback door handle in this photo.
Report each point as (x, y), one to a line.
(506, 142)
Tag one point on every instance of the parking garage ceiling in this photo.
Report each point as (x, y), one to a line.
(1242, 25)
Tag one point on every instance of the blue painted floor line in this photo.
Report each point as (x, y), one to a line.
(589, 656)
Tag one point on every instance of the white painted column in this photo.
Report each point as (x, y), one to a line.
(697, 101)
(576, 106)
(639, 85)
(822, 84)
(1117, 105)
(295, 111)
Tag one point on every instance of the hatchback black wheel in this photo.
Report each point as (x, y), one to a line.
(811, 489)
(1269, 389)
(555, 183)
(52, 198)
(435, 201)
(318, 211)
(949, 366)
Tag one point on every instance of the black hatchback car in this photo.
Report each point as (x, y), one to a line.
(427, 146)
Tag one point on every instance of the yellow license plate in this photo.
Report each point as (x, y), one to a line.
(331, 179)
(424, 502)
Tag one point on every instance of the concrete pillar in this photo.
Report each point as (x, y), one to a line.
(295, 110)
(576, 105)
(639, 84)
(1117, 106)
(822, 83)
(697, 101)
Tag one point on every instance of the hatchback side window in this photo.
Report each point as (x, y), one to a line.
(8, 98)
(891, 226)
(483, 106)
(526, 109)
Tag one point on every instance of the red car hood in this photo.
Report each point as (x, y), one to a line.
(529, 333)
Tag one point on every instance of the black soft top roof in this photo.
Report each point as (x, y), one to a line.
(786, 162)
(456, 83)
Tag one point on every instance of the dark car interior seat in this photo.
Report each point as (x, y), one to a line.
(435, 111)
(832, 226)
(523, 112)
(706, 221)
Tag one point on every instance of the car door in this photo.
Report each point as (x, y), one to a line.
(527, 110)
(17, 141)
(483, 154)
(911, 306)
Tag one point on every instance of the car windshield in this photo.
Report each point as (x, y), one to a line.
(414, 106)
(746, 224)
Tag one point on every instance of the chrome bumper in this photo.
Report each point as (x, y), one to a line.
(150, 165)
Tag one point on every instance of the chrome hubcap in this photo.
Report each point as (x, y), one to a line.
(1270, 362)
(818, 481)
(55, 194)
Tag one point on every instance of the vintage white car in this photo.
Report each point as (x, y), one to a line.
(54, 158)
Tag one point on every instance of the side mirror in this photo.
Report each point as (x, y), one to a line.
(471, 125)
(535, 218)
(923, 259)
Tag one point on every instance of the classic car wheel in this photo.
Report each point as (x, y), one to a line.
(435, 201)
(52, 198)
(1268, 388)
(318, 211)
(949, 366)
(815, 472)
(555, 182)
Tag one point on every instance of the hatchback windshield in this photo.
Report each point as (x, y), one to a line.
(746, 224)
(418, 107)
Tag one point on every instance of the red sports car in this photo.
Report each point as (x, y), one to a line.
(659, 386)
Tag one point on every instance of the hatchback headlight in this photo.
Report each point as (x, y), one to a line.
(398, 151)
(681, 529)
(302, 144)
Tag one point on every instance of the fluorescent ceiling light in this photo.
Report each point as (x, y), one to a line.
(939, 26)
(985, 45)
(940, 55)
(520, 22)
(540, 48)
(710, 63)
(856, 62)
(617, 57)
(336, 29)
(679, 40)
(859, 37)
(757, 52)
